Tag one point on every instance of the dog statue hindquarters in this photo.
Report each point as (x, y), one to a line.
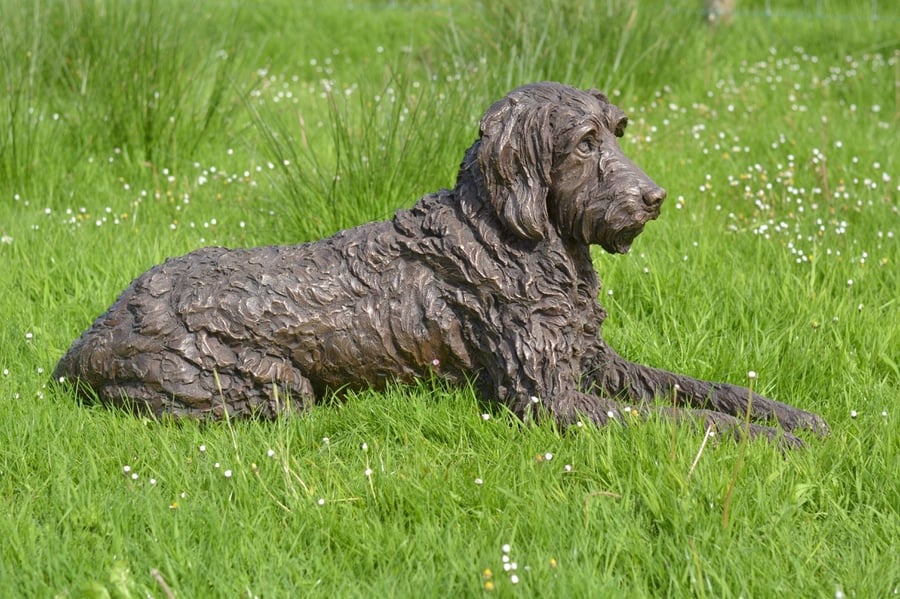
(490, 282)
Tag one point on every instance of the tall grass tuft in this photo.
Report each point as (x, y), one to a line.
(152, 79)
(369, 154)
(599, 43)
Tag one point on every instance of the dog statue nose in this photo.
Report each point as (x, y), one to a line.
(654, 196)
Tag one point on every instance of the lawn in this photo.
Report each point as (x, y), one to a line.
(131, 132)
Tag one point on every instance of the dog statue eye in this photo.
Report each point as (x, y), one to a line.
(586, 146)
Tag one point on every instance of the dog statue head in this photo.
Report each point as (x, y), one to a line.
(549, 156)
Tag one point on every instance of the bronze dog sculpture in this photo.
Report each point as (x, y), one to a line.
(491, 281)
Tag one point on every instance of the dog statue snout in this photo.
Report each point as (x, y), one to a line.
(653, 196)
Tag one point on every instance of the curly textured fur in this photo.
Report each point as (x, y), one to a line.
(491, 281)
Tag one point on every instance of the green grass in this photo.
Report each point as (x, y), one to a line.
(129, 135)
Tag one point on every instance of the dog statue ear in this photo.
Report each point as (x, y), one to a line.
(515, 156)
(618, 120)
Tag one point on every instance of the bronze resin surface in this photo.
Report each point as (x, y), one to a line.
(491, 281)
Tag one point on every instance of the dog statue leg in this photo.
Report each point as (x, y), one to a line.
(570, 409)
(722, 423)
(573, 408)
(617, 377)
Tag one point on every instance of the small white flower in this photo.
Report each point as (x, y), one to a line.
(364, 447)
(321, 501)
(202, 448)
(548, 456)
(567, 467)
(134, 476)
(227, 473)
(611, 414)
(216, 465)
(853, 414)
(271, 453)
(506, 548)
(751, 375)
(368, 472)
(485, 416)
(326, 440)
(478, 481)
(535, 399)
(884, 413)
(152, 481)
(126, 469)
(514, 579)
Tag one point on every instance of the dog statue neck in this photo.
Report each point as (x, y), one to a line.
(470, 175)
